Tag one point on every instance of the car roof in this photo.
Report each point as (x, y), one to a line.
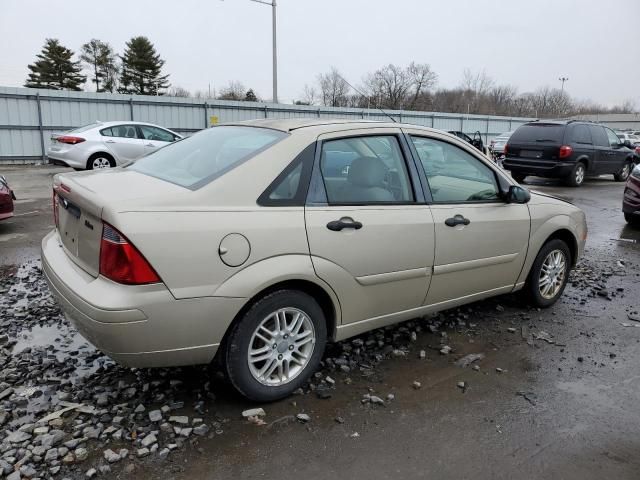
(100, 124)
(322, 124)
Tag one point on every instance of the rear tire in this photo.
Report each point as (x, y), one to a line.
(549, 274)
(276, 345)
(100, 160)
(518, 177)
(623, 174)
(576, 177)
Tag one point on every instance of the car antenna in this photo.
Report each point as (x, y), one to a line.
(363, 95)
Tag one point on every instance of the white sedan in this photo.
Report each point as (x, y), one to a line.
(107, 144)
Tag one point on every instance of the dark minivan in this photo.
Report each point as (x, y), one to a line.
(567, 149)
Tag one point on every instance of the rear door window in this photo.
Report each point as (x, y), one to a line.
(365, 170)
(599, 136)
(538, 133)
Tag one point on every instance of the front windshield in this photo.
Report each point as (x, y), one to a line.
(205, 156)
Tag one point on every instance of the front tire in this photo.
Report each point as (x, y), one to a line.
(549, 274)
(633, 220)
(623, 174)
(276, 345)
(576, 177)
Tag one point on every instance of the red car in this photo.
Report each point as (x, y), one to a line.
(631, 200)
(6, 199)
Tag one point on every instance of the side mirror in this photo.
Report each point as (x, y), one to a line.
(627, 143)
(518, 194)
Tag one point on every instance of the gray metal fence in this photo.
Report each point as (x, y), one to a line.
(29, 116)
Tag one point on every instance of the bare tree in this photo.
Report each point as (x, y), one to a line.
(234, 91)
(334, 90)
(309, 95)
(389, 86)
(423, 79)
(179, 92)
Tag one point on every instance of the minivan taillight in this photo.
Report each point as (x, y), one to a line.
(69, 139)
(121, 262)
(565, 151)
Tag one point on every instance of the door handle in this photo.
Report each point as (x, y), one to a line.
(110, 141)
(457, 220)
(338, 225)
(149, 145)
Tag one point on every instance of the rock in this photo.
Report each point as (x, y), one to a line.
(416, 385)
(51, 455)
(28, 471)
(185, 432)
(91, 473)
(201, 430)
(142, 452)
(511, 330)
(330, 380)
(14, 476)
(68, 459)
(40, 430)
(339, 420)
(7, 392)
(500, 308)
(164, 453)
(580, 359)
(81, 454)
(51, 439)
(149, 440)
(56, 423)
(155, 416)
(124, 453)
(129, 469)
(111, 456)
(476, 368)
(462, 385)
(18, 437)
(180, 419)
(499, 370)
(391, 397)
(422, 355)
(139, 409)
(104, 469)
(303, 418)
(254, 412)
(445, 350)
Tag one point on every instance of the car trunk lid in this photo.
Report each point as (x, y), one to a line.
(80, 199)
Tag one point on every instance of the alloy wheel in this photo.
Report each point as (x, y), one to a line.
(624, 173)
(101, 162)
(552, 274)
(281, 346)
(579, 174)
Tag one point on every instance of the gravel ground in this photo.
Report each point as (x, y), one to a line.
(490, 390)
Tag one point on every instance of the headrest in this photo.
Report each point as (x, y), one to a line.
(367, 172)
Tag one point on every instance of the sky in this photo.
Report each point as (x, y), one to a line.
(208, 43)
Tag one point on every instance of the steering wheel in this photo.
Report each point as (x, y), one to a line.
(477, 140)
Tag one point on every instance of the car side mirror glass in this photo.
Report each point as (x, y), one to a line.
(518, 194)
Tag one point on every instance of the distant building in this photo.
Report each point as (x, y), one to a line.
(617, 121)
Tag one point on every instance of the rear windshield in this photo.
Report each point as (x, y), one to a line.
(205, 156)
(84, 128)
(539, 132)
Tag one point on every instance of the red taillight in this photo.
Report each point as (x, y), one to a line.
(506, 148)
(55, 207)
(638, 150)
(121, 262)
(565, 151)
(71, 140)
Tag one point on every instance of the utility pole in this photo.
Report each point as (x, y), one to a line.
(563, 79)
(272, 4)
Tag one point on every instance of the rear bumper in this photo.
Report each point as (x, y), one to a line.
(66, 160)
(138, 326)
(539, 168)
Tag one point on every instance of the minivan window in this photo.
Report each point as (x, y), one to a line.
(580, 134)
(207, 155)
(538, 133)
(599, 135)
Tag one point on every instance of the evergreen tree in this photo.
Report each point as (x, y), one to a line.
(55, 69)
(142, 69)
(250, 96)
(101, 60)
